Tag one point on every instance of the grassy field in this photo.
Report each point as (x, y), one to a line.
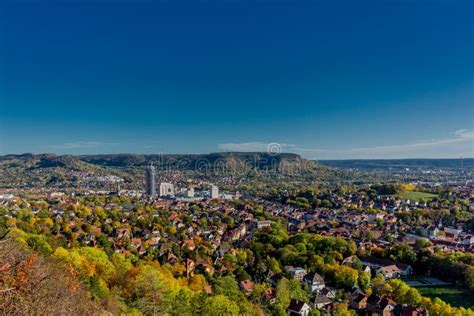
(416, 196)
(452, 295)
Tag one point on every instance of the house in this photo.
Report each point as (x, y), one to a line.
(366, 269)
(189, 244)
(171, 258)
(321, 301)
(408, 310)
(246, 286)
(329, 292)
(380, 305)
(203, 268)
(269, 295)
(122, 233)
(190, 266)
(429, 231)
(358, 301)
(152, 243)
(403, 270)
(296, 272)
(389, 272)
(298, 308)
(223, 249)
(275, 278)
(89, 239)
(264, 224)
(372, 218)
(394, 271)
(136, 242)
(236, 233)
(314, 281)
(141, 250)
(349, 261)
(452, 232)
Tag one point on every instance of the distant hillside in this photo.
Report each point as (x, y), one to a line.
(427, 164)
(37, 161)
(195, 161)
(37, 170)
(235, 160)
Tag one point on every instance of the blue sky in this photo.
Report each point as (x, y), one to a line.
(326, 79)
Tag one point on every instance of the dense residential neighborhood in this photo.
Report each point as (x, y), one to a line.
(311, 251)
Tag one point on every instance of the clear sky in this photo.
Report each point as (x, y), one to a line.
(326, 79)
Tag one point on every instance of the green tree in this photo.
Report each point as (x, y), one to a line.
(296, 292)
(364, 280)
(181, 305)
(227, 286)
(220, 305)
(282, 295)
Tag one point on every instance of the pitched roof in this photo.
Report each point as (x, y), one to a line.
(389, 269)
(322, 299)
(359, 298)
(314, 278)
(296, 305)
(247, 285)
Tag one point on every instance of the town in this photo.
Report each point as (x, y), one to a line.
(315, 250)
(237, 158)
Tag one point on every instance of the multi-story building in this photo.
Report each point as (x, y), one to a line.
(150, 181)
(214, 191)
(166, 189)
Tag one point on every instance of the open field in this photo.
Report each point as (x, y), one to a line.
(417, 196)
(424, 282)
(453, 295)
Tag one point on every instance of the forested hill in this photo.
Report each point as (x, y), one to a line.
(259, 160)
(369, 164)
(39, 170)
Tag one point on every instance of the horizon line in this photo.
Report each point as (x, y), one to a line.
(229, 152)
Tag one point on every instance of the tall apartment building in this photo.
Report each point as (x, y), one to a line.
(166, 189)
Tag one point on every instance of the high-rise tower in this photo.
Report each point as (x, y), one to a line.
(150, 181)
